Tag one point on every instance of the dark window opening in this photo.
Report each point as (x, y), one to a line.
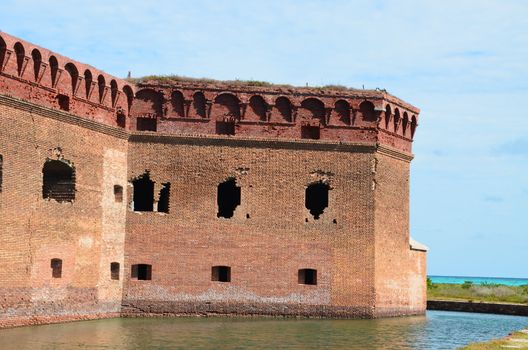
(56, 268)
(310, 132)
(121, 120)
(317, 198)
(163, 203)
(221, 274)
(118, 193)
(147, 124)
(308, 276)
(113, 92)
(20, 57)
(199, 103)
(143, 193)
(37, 61)
(54, 69)
(225, 128)
(64, 102)
(58, 181)
(101, 84)
(142, 272)
(114, 271)
(228, 198)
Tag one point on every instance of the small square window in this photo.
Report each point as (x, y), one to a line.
(221, 274)
(64, 102)
(142, 272)
(307, 276)
(310, 132)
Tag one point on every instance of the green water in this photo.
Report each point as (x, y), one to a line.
(437, 330)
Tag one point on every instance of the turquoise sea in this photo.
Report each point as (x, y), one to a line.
(479, 280)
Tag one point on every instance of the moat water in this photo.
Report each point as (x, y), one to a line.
(437, 330)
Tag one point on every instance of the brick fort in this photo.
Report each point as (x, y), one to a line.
(179, 196)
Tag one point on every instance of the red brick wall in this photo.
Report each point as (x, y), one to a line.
(400, 272)
(34, 230)
(265, 250)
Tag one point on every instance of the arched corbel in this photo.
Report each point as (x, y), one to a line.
(58, 77)
(77, 85)
(91, 88)
(209, 108)
(42, 70)
(378, 112)
(24, 65)
(328, 113)
(243, 107)
(187, 103)
(116, 101)
(7, 56)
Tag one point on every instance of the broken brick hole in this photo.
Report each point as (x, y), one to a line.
(58, 181)
(221, 274)
(225, 128)
(317, 198)
(114, 271)
(310, 132)
(142, 272)
(56, 268)
(307, 276)
(228, 198)
(121, 120)
(143, 193)
(163, 203)
(147, 124)
(64, 102)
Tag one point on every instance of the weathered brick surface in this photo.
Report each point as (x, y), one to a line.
(359, 246)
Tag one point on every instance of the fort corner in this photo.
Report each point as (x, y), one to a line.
(184, 197)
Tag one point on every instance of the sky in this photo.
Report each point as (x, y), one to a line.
(463, 63)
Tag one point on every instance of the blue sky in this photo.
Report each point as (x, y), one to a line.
(464, 63)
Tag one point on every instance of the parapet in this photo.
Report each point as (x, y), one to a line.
(184, 106)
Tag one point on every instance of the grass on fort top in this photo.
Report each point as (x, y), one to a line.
(517, 340)
(254, 83)
(492, 293)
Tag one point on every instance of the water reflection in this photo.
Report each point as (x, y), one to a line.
(438, 330)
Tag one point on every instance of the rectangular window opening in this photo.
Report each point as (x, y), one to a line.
(310, 132)
(221, 274)
(114, 271)
(225, 128)
(64, 102)
(56, 268)
(118, 193)
(147, 124)
(307, 276)
(142, 272)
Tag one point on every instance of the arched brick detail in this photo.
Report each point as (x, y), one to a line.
(177, 105)
(36, 57)
(20, 53)
(283, 111)
(226, 107)
(388, 117)
(340, 115)
(147, 103)
(396, 121)
(198, 106)
(88, 83)
(366, 108)
(312, 109)
(257, 110)
(73, 77)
